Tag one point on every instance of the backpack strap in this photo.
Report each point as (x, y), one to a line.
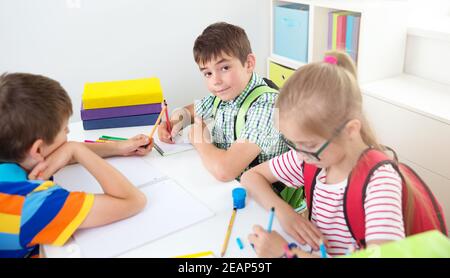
(271, 87)
(216, 103)
(355, 192)
(241, 117)
(310, 173)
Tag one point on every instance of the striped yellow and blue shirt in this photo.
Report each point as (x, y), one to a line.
(36, 212)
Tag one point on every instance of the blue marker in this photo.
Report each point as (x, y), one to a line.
(239, 242)
(323, 250)
(272, 214)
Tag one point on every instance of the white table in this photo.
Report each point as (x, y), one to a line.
(187, 170)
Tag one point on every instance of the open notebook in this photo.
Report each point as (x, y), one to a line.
(181, 144)
(169, 208)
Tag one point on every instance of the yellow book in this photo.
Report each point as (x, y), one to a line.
(334, 34)
(122, 93)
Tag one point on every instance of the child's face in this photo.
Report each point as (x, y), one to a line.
(226, 77)
(332, 153)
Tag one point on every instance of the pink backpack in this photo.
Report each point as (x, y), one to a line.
(428, 214)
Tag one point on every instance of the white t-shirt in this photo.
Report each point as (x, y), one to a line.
(383, 203)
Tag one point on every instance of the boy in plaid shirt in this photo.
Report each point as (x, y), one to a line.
(225, 59)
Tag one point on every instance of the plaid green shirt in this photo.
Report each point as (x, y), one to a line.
(259, 128)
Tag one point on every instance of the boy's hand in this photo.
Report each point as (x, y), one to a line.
(300, 229)
(139, 145)
(180, 119)
(267, 245)
(164, 135)
(55, 161)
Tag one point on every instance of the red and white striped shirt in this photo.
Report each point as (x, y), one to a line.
(383, 203)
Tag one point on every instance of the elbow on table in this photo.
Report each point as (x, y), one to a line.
(139, 202)
(225, 174)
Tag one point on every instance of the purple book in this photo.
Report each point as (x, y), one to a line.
(356, 27)
(123, 111)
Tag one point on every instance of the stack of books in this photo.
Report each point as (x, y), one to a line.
(343, 32)
(121, 103)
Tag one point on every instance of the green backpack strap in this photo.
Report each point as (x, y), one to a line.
(239, 123)
(216, 103)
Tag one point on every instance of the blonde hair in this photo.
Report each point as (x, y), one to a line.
(322, 96)
(328, 95)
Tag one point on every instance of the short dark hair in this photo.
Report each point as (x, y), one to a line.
(31, 107)
(221, 37)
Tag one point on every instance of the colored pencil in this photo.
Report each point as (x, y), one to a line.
(323, 249)
(112, 138)
(227, 237)
(272, 213)
(157, 122)
(197, 255)
(169, 127)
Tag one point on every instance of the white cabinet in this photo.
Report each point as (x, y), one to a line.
(412, 115)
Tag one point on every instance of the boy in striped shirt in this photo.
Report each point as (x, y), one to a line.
(34, 114)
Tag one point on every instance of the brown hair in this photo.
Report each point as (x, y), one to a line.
(221, 37)
(31, 107)
(324, 95)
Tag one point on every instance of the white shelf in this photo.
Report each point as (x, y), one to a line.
(382, 38)
(431, 99)
(436, 28)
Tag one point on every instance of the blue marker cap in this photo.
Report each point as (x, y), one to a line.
(239, 195)
(239, 242)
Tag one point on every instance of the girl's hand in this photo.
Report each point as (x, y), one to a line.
(55, 161)
(299, 228)
(267, 245)
(139, 145)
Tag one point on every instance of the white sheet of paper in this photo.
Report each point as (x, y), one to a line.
(136, 169)
(169, 209)
(181, 143)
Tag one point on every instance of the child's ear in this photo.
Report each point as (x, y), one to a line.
(353, 128)
(251, 62)
(35, 152)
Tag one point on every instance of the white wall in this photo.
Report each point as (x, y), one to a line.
(428, 58)
(78, 41)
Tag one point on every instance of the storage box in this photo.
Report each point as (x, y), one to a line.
(122, 93)
(124, 111)
(139, 120)
(279, 74)
(291, 31)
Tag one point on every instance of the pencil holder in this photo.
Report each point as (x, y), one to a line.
(239, 195)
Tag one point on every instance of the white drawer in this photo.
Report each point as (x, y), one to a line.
(417, 138)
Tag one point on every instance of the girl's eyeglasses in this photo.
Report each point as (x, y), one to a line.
(314, 155)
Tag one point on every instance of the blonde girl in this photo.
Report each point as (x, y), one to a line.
(321, 118)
